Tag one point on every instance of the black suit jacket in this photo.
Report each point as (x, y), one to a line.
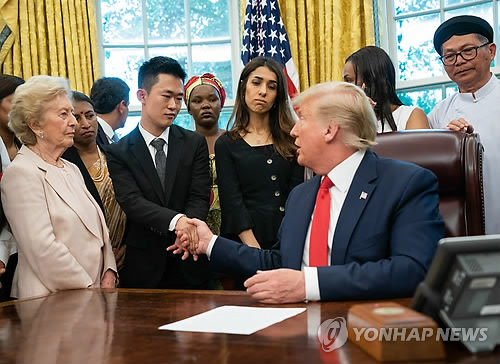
(149, 209)
(71, 154)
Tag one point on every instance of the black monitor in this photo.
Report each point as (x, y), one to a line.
(462, 288)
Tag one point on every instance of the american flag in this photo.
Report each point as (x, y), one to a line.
(264, 35)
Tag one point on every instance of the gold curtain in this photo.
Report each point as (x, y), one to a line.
(324, 33)
(53, 37)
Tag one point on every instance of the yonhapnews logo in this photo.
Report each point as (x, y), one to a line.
(332, 334)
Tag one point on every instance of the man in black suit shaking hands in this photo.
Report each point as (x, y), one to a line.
(160, 174)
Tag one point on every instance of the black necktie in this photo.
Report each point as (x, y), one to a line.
(160, 159)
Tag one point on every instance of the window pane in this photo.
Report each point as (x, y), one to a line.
(456, 2)
(215, 59)
(122, 21)
(450, 90)
(424, 99)
(185, 120)
(484, 11)
(124, 63)
(130, 125)
(224, 117)
(177, 53)
(166, 21)
(416, 55)
(410, 6)
(209, 18)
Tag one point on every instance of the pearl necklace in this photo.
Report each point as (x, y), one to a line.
(39, 153)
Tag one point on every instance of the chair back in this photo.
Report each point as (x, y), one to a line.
(456, 159)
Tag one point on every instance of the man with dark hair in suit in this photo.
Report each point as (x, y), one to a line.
(110, 97)
(364, 228)
(160, 174)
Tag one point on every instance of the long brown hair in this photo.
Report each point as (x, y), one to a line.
(281, 120)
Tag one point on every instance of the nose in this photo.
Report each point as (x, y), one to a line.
(263, 89)
(293, 132)
(460, 59)
(172, 104)
(84, 122)
(72, 120)
(205, 105)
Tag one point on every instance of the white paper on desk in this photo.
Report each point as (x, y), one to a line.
(234, 320)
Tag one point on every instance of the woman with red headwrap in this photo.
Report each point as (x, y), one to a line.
(204, 97)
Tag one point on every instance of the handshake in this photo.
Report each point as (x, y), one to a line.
(193, 237)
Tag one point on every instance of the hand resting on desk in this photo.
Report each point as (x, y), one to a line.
(272, 286)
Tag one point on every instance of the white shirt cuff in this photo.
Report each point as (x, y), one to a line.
(7, 245)
(312, 283)
(173, 222)
(210, 246)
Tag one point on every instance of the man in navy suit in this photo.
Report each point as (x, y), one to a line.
(382, 224)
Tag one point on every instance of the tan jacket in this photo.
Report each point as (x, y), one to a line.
(60, 243)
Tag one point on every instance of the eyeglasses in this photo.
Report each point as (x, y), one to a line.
(467, 54)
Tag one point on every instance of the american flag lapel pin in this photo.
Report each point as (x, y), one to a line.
(363, 195)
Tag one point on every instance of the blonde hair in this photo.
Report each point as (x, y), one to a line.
(347, 105)
(29, 104)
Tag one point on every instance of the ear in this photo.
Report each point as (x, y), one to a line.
(121, 107)
(493, 50)
(331, 132)
(33, 125)
(142, 96)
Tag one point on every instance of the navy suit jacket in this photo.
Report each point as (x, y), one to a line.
(383, 244)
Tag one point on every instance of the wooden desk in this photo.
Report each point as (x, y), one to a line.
(121, 326)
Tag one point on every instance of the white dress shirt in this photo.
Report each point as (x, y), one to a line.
(148, 138)
(341, 176)
(108, 130)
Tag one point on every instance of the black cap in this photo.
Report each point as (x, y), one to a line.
(461, 25)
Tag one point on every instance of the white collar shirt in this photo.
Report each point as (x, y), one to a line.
(148, 138)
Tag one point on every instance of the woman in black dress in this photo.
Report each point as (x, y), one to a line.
(256, 158)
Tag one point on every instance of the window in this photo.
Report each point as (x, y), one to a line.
(411, 24)
(203, 35)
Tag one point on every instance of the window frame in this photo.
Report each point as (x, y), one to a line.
(388, 41)
(233, 40)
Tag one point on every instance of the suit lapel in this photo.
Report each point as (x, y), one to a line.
(59, 187)
(357, 197)
(175, 143)
(301, 220)
(141, 153)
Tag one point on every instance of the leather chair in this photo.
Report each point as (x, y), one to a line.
(457, 160)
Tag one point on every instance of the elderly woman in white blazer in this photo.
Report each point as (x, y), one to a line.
(60, 230)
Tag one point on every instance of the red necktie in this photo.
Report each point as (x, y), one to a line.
(318, 241)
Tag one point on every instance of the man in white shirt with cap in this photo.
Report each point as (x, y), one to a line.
(465, 44)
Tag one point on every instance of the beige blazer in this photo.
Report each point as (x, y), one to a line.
(61, 244)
